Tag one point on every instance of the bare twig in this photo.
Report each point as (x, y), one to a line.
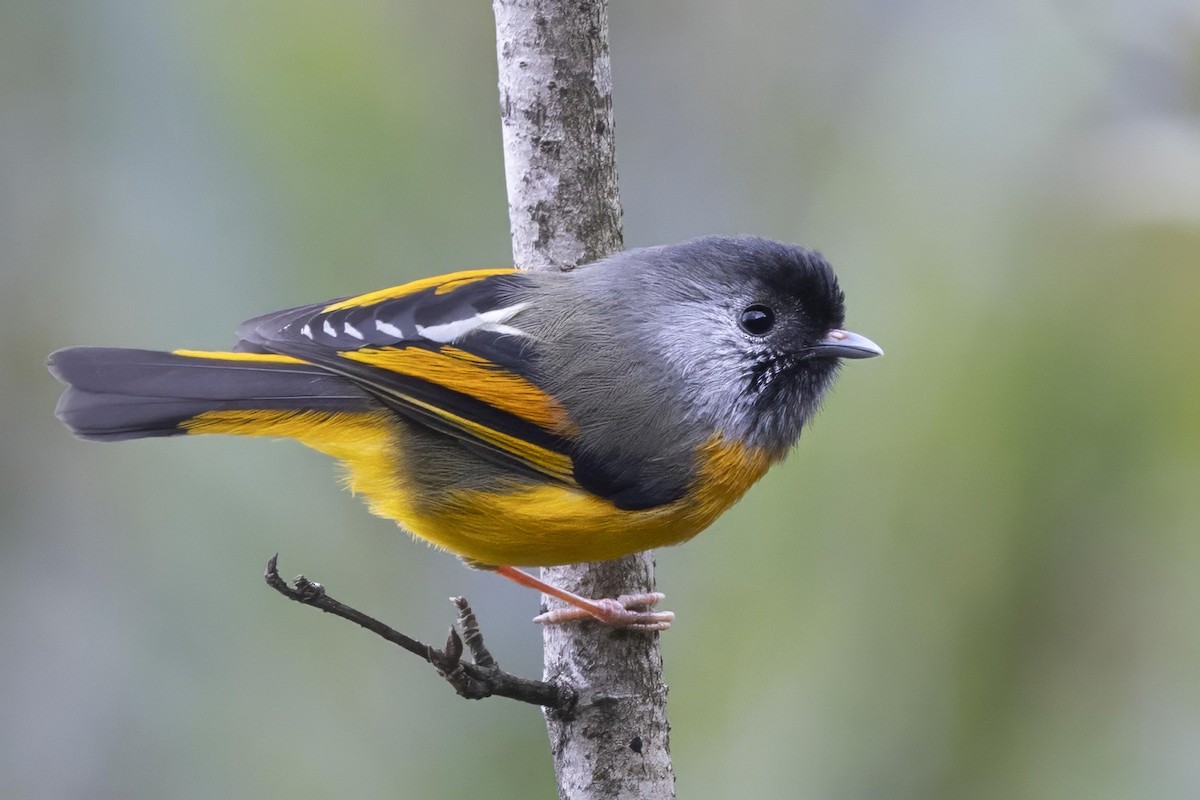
(474, 681)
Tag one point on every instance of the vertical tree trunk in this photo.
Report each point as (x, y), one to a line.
(564, 207)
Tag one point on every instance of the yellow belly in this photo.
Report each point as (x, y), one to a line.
(529, 526)
(554, 524)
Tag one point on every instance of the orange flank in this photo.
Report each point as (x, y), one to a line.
(364, 441)
(540, 525)
(522, 524)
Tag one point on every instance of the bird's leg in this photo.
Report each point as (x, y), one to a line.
(627, 611)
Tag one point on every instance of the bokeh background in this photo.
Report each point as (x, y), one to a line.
(978, 577)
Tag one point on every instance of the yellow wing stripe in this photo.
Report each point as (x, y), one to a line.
(266, 358)
(556, 465)
(471, 375)
(442, 283)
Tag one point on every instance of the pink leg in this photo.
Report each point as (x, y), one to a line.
(618, 612)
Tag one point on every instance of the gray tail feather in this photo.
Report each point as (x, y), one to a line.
(115, 393)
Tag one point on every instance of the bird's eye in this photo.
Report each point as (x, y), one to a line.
(757, 319)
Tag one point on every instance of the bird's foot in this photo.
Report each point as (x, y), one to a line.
(627, 611)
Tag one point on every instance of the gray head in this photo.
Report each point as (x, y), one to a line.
(737, 335)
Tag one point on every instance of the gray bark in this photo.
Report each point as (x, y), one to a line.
(560, 166)
(559, 150)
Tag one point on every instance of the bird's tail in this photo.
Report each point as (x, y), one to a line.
(115, 394)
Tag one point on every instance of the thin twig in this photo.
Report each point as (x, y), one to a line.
(474, 681)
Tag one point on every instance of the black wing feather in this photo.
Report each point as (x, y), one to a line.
(322, 333)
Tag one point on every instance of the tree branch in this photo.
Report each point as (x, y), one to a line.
(564, 206)
(474, 681)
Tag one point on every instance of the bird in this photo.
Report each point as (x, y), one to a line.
(520, 418)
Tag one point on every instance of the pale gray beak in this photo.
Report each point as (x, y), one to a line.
(845, 344)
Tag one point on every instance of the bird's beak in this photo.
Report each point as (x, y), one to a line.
(845, 344)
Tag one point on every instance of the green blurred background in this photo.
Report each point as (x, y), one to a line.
(976, 579)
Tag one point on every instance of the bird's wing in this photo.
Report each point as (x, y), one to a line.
(440, 352)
